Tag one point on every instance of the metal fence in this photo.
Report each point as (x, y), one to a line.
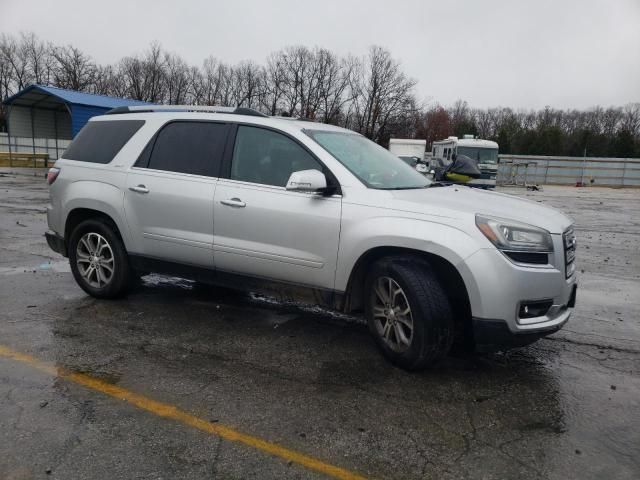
(534, 169)
(54, 147)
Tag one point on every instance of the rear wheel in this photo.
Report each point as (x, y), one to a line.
(99, 260)
(408, 312)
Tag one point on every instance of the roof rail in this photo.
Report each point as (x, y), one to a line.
(297, 119)
(185, 108)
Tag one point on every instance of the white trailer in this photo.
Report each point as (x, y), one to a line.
(410, 151)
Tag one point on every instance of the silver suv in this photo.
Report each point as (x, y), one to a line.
(236, 198)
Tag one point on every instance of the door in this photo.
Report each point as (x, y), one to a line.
(263, 230)
(169, 197)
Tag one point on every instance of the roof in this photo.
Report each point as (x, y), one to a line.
(407, 141)
(40, 96)
(468, 142)
(176, 111)
(476, 142)
(286, 124)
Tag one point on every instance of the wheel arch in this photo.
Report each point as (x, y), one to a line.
(449, 276)
(78, 215)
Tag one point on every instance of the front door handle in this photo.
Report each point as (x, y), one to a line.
(233, 202)
(139, 189)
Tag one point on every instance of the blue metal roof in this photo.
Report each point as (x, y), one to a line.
(81, 106)
(75, 98)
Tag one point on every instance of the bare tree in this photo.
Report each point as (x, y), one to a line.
(40, 62)
(213, 78)
(275, 79)
(336, 93)
(371, 95)
(381, 91)
(16, 60)
(295, 62)
(108, 82)
(144, 77)
(247, 85)
(176, 79)
(73, 69)
(630, 120)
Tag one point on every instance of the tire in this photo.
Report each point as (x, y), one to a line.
(85, 241)
(432, 329)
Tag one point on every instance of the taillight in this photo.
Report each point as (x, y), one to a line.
(52, 174)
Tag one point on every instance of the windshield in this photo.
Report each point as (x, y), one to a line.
(482, 155)
(375, 166)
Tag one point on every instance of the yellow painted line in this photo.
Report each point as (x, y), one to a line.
(172, 412)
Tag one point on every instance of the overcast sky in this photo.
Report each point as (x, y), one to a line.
(518, 53)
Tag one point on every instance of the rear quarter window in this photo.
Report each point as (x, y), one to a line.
(99, 142)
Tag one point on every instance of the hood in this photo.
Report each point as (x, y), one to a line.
(455, 200)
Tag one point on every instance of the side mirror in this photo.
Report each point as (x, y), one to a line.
(311, 181)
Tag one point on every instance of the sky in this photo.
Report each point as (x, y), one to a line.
(515, 53)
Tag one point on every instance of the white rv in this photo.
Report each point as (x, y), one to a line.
(485, 152)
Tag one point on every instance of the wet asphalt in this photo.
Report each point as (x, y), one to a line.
(565, 407)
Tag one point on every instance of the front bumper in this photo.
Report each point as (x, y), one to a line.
(499, 289)
(56, 243)
(492, 335)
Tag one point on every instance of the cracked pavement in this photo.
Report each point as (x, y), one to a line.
(565, 407)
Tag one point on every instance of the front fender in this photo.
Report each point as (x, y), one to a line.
(100, 196)
(356, 238)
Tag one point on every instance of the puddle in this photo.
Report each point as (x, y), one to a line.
(313, 309)
(58, 266)
(155, 280)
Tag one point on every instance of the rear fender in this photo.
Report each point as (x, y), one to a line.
(103, 197)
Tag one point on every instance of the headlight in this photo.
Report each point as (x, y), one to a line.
(509, 235)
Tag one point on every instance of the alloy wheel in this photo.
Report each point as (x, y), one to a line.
(95, 261)
(392, 314)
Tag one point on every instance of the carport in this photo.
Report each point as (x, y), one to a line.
(42, 113)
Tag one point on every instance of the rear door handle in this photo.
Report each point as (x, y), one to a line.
(139, 189)
(233, 202)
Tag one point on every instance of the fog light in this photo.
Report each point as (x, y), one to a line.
(534, 309)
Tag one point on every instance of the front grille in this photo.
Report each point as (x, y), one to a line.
(569, 242)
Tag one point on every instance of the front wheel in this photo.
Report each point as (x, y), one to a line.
(99, 260)
(408, 312)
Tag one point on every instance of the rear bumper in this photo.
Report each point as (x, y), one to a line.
(56, 243)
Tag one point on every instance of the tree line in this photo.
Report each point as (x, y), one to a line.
(370, 94)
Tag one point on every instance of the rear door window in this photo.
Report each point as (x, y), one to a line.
(189, 147)
(100, 142)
